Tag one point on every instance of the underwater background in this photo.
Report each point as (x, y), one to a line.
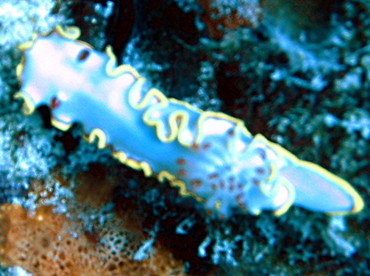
(296, 71)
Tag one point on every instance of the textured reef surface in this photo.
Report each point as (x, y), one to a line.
(297, 71)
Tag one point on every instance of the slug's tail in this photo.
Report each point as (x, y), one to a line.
(317, 189)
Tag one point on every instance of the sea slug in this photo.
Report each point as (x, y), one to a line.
(209, 155)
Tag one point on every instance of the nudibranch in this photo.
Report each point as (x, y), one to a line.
(210, 156)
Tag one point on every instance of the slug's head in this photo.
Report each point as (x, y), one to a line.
(59, 71)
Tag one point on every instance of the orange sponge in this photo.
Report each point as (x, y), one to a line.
(50, 244)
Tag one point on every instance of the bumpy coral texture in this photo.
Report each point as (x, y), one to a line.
(43, 244)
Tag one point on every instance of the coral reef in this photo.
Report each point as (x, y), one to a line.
(46, 242)
(221, 16)
(302, 83)
(44, 245)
